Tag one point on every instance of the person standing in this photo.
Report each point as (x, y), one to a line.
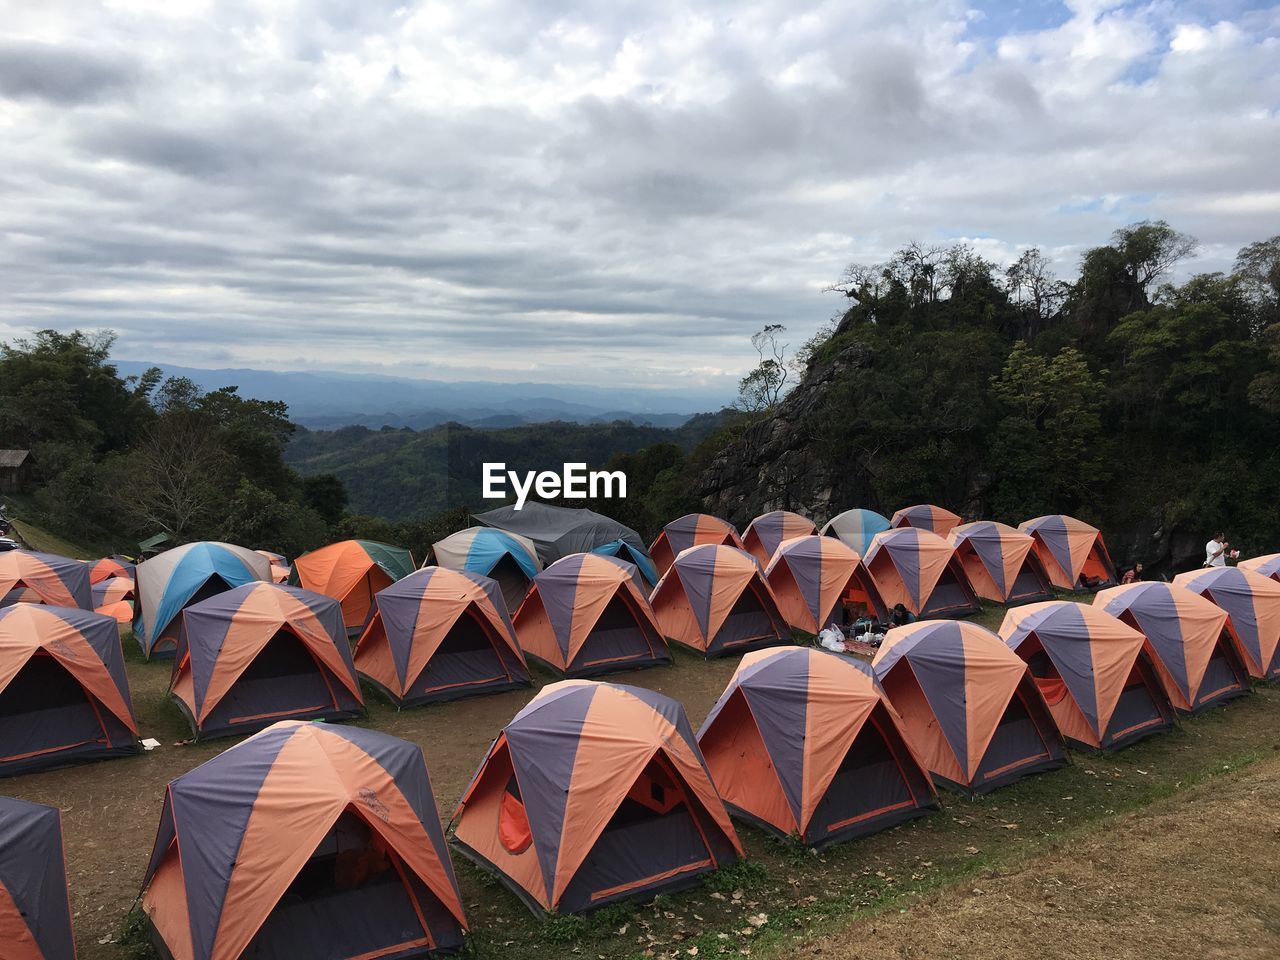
(1215, 551)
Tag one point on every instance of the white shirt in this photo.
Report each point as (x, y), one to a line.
(1215, 554)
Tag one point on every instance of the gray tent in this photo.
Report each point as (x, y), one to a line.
(560, 531)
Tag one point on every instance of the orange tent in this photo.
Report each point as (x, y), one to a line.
(803, 742)
(1072, 552)
(690, 531)
(920, 570)
(440, 634)
(1252, 603)
(1100, 685)
(64, 695)
(1000, 562)
(926, 516)
(817, 580)
(306, 840)
(766, 533)
(969, 705)
(594, 793)
(351, 572)
(714, 600)
(586, 614)
(1195, 657)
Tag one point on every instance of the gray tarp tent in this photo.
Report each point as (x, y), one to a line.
(560, 531)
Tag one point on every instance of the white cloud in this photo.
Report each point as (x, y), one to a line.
(602, 194)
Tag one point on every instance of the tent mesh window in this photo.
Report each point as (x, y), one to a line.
(353, 897)
(465, 658)
(657, 833)
(43, 709)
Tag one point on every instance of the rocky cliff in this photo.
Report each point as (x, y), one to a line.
(777, 463)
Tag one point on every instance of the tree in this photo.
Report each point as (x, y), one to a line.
(1118, 279)
(1258, 268)
(1048, 453)
(326, 495)
(173, 479)
(1030, 281)
(763, 388)
(1149, 249)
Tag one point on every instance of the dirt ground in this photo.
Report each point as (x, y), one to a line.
(1192, 875)
(110, 811)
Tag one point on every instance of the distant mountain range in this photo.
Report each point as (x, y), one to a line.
(325, 400)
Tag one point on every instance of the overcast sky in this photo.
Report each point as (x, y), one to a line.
(600, 193)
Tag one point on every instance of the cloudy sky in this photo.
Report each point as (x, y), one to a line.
(586, 192)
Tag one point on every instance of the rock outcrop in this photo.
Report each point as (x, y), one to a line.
(775, 464)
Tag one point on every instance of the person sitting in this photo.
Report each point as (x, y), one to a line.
(900, 616)
(1133, 574)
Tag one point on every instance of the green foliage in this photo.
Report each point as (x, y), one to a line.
(125, 458)
(1049, 440)
(403, 474)
(569, 928)
(1119, 397)
(740, 875)
(135, 937)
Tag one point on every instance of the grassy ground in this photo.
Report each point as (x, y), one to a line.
(1193, 874)
(46, 542)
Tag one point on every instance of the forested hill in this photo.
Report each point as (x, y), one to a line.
(403, 473)
(1147, 408)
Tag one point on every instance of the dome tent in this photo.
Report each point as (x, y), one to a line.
(184, 575)
(594, 793)
(969, 705)
(305, 840)
(803, 742)
(439, 635)
(260, 653)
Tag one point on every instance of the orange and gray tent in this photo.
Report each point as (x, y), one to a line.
(766, 533)
(1001, 563)
(1187, 639)
(306, 840)
(820, 580)
(508, 558)
(594, 793)
(35, 913)
(280, 568)
(177, 578)
(804, 743)
(926, 516)
(968, 704)
(715, 601)
(1093, 672)
(261, 653)
(30, 577)
(921, 571)
(1071, 551)
(691, 530)
(114, 598)
(113, 566)
(64, 696)
(1268, 566)
(440, 634)
(587, 614)
(1252, 603)
(857, 528)
(352, 571)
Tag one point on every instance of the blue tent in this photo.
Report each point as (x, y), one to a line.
(177, 578)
